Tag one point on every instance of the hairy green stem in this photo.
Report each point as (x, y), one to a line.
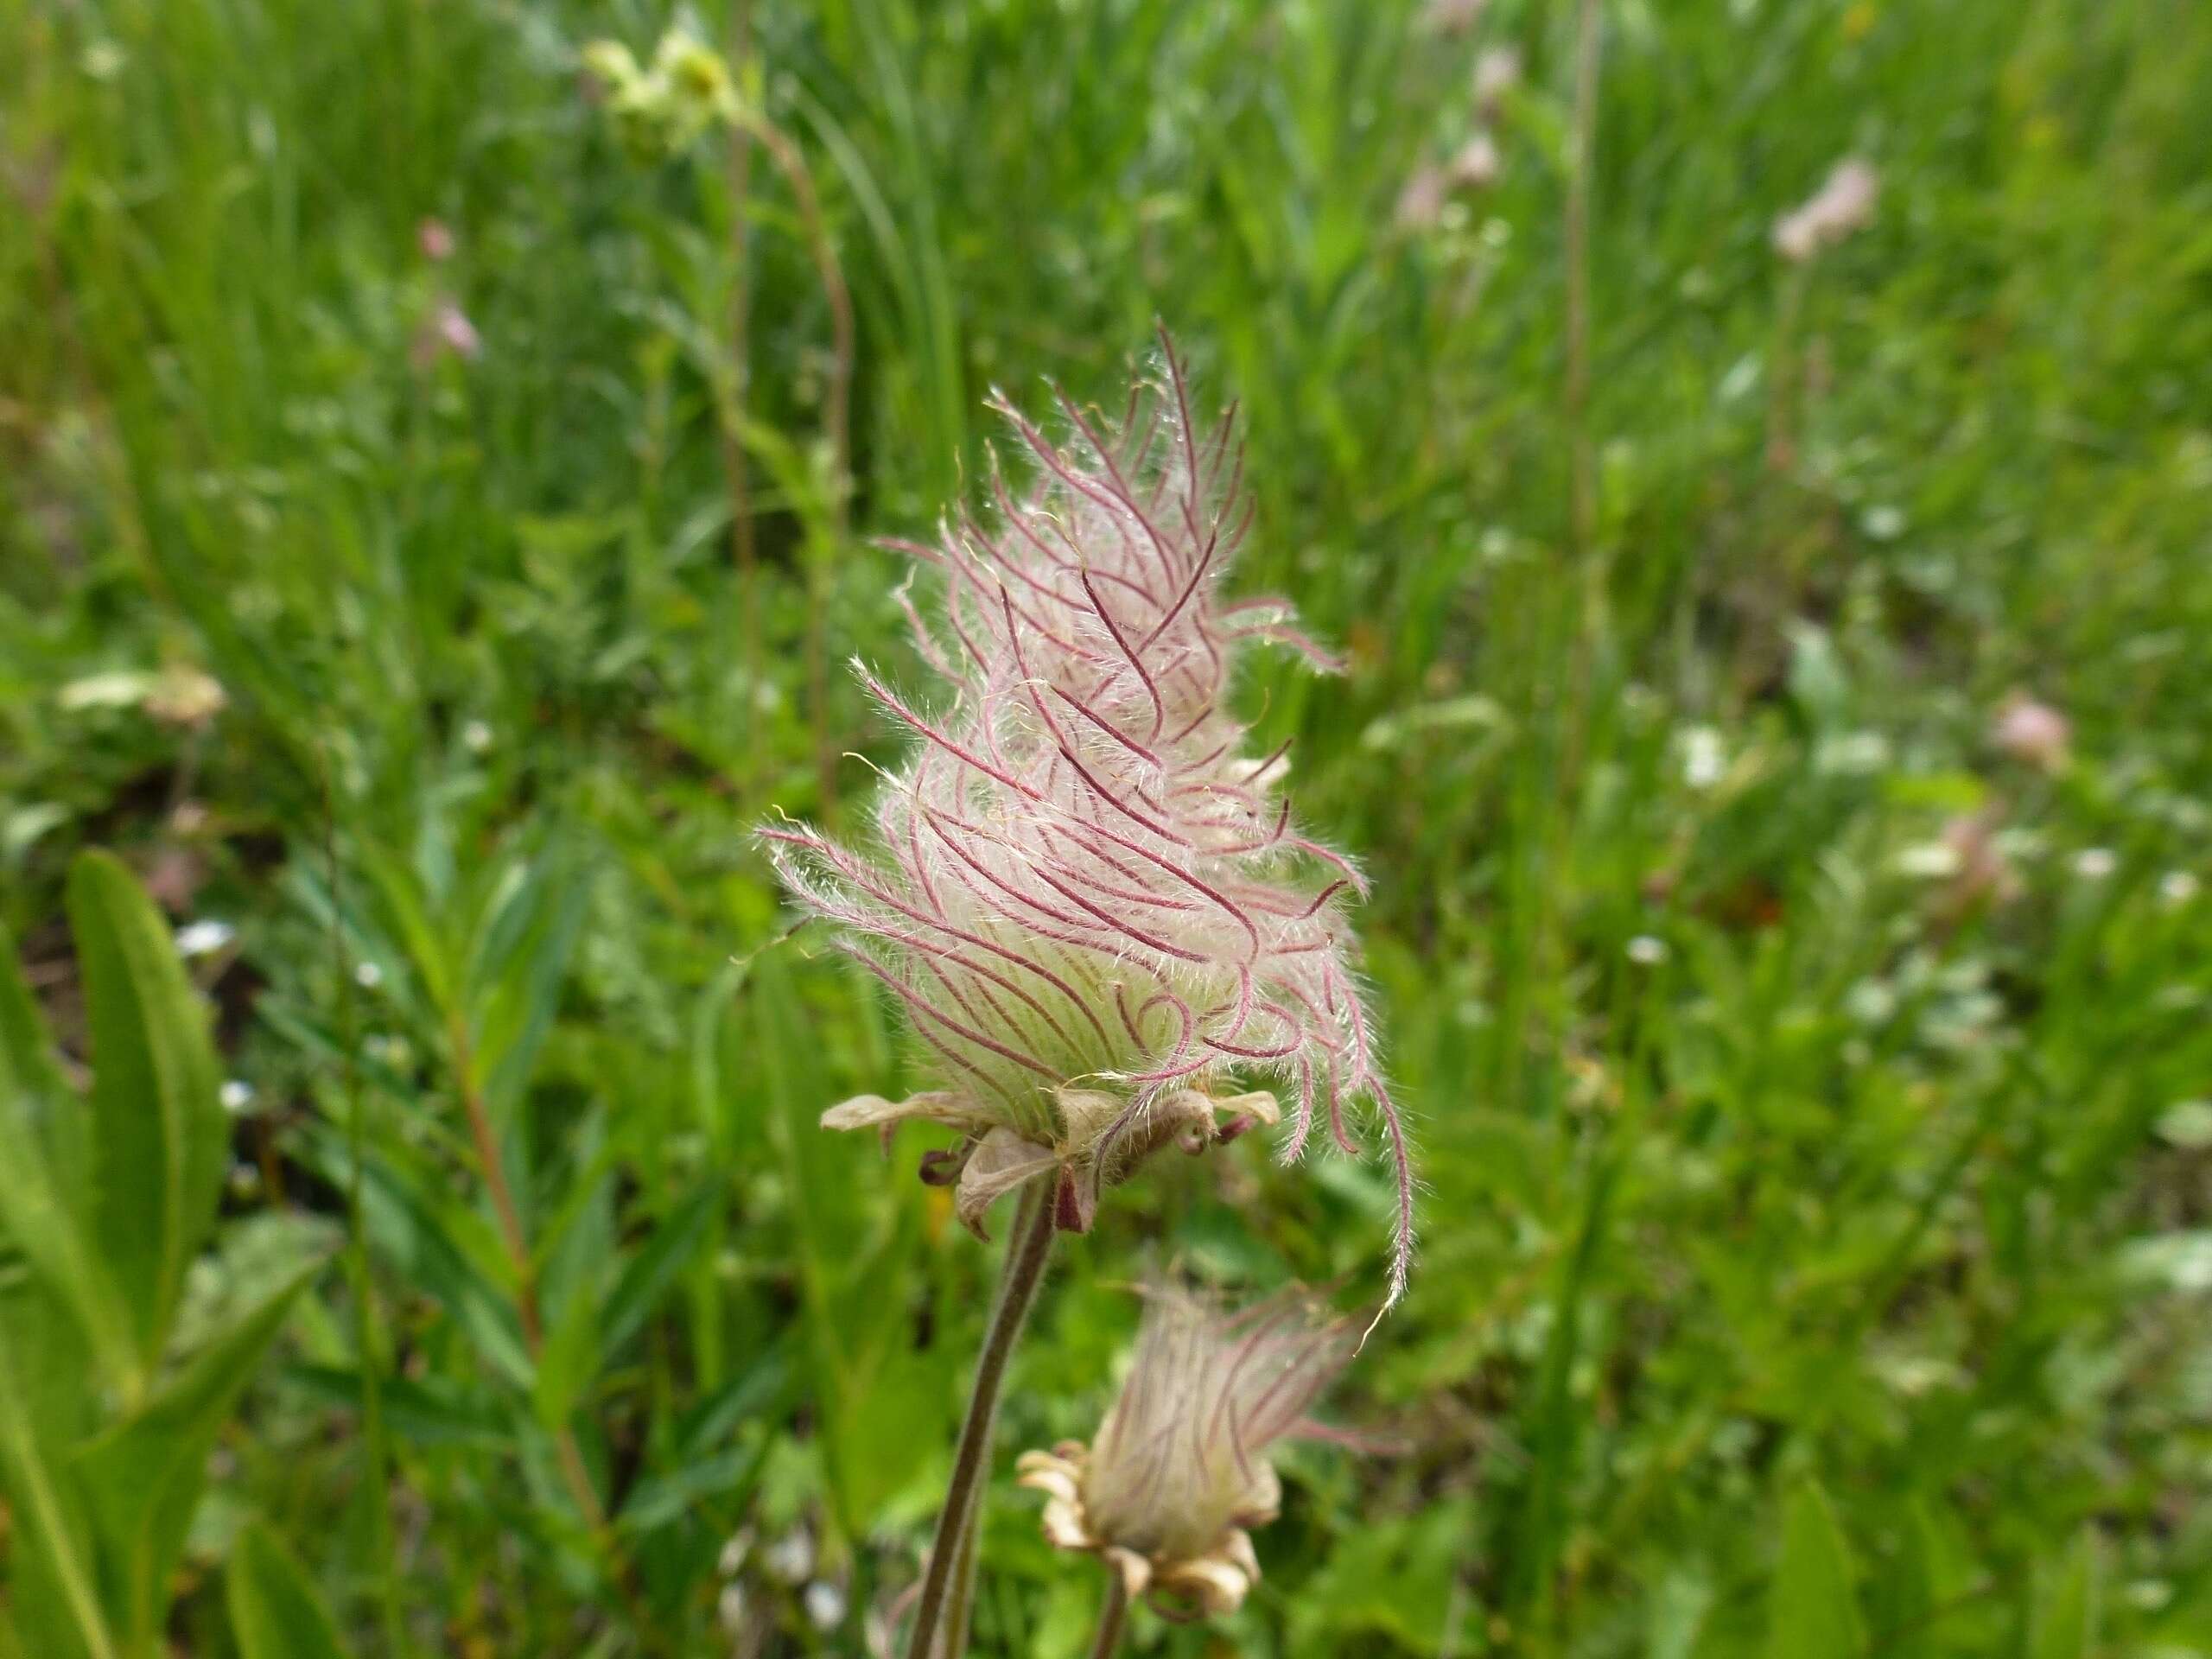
(960, 1600)
(1112, 1616)
(1026, 1251)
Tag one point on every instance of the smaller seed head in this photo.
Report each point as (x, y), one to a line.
(1179, 1471)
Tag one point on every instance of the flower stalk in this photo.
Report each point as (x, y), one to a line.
(951, 1559)
(1113, 1616)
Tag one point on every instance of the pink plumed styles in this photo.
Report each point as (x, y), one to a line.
(1179, 1471)
(1095, 907)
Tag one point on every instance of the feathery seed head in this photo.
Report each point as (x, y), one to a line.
(1179, 1470)
(1094, 905)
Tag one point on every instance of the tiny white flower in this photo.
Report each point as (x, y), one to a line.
(2178, 887)
(476, 737)
(1930, 861)
(237, 1094)
(729, 1608)
(731, 1561)
(367, 975)
(1851, 754)
(2095, 863)
(1704, 762)
(790, 1558)
(825, 1604)
(204, 938)
(2186, 1124)
(1647, 950)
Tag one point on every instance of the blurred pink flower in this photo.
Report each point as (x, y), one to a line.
(1420, 203)
(1477, 163)
(2031, 731)
(1982, 870)
(1844, 203)
(1453, 16)
(1095, 909)
(1497, 71)
(446, 332)
(434, 240)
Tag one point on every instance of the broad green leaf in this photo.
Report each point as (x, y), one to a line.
(1812, 1612)
(37, 1213)
(1395, 1576)
(274, 1611)
(2065, 1625)
(51, 1109)
(158, 1130)
(52, 1583)
(142, 1477)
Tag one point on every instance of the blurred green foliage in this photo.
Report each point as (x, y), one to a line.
(1813, 1094)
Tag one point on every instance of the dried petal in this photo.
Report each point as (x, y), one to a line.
(1001, 1162)
(873, 1112)
(1216, 1586)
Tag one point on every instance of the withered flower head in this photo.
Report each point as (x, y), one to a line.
(1094, 905)
(1179, 1471)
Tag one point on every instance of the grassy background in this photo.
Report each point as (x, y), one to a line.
(1816, 1253)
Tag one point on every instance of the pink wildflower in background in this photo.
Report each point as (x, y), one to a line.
(2033, 731)
(1844, 203)
(1095, 907)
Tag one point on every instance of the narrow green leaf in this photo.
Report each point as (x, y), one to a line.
(1812, 1612)
(405, 1227)
(274, 1611)
(429, 1412)
(2065, 1625)
(660, 1499)
(142, 1477)
(648, 1274)
(567, 1362)
(514, 980)
(158, 1130)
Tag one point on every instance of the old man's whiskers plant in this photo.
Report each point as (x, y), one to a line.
(1179, 1471)
(1093, 903)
